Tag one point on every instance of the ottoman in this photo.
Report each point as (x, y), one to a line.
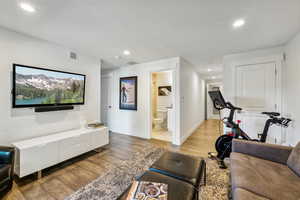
(177, 190)
(185, 168)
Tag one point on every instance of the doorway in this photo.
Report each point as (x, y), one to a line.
(162, 101)
(106, 104)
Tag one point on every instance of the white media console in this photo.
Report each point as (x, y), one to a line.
(39, 153)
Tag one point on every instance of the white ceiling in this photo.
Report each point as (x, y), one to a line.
(198, 30)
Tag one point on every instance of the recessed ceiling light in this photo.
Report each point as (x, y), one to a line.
(27, 7)
(209, 70)
(238, 23)
(126, 52)
(213, 77)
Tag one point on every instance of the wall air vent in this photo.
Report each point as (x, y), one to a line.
(73, 55)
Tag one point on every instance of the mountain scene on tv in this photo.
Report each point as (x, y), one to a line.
(37, 87)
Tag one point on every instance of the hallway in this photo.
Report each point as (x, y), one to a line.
(200, 142)
(203, 139)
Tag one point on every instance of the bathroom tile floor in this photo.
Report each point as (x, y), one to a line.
(162, 134)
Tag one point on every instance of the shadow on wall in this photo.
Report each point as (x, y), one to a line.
(48, 122)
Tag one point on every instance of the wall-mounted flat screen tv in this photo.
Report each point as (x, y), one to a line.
(35, 87)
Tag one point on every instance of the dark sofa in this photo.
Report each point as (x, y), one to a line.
(262, 171)
(6, 169)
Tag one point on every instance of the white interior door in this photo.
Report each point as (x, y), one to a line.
(106, 104)
(256, 87)
(255, 93)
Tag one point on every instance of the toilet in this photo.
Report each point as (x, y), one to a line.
(160, 119)
(158, 123)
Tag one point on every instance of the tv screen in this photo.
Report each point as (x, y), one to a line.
(34, 87)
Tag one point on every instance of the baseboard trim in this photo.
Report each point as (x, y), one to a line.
(133, 135)
(190, 132)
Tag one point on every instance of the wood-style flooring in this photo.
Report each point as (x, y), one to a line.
(60, 181)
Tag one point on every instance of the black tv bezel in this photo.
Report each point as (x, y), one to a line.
(42, 105)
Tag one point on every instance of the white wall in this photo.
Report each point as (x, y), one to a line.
(164, 79)
(23, 123)
(192, 99)
(291, 88)
(138, 123)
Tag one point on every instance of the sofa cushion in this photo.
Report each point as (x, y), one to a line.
(265, 178)
(294, 160)
(242, 194)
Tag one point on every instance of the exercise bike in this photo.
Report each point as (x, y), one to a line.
(224, 142)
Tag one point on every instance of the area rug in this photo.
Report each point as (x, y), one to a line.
(116, 180)
(120, 176)
(217, 182)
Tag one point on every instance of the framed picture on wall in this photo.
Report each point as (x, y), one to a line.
(164, 90)
(128, 93)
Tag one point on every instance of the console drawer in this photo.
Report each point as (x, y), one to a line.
(74, 146)
(39, 153)
(37, 157)
(99, 138)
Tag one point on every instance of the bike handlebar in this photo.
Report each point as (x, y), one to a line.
(230, 106)
(278, 121)
(271, 114)
(282, 121)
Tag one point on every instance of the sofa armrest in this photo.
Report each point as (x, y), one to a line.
(271, 152)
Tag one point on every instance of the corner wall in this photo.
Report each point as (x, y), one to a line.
(291, 88)
(24, 123)
(192, 100)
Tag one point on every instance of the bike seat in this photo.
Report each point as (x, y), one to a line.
(271, 114)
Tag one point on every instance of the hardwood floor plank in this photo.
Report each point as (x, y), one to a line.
(57, 188)
(35, 191)
(15, 194)
(83, 176)
(90, 166)
(70, 180)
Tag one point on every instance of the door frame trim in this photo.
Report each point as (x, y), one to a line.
(176, 105)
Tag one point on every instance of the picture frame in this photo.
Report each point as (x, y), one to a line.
(164, 90)
(128, 93)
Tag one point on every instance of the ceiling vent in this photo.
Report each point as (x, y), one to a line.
(132, 63)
